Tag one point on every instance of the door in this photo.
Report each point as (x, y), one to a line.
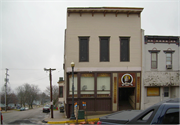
(166, 93)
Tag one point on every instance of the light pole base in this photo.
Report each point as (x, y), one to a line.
(72, 117)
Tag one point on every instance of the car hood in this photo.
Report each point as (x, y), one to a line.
(120, 117)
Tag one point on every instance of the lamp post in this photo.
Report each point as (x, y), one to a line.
(72, 115)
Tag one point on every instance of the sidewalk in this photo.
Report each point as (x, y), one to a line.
(59, 118)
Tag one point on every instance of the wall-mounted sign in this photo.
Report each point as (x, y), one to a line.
(127, 79)
(153, 91)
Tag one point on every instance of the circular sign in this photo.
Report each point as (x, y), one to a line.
(127, 80)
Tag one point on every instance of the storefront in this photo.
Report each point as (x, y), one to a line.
(104, 91)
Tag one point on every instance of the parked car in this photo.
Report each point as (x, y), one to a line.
(165, 112)
(22, 109)
(46, 108)
(26, 108)
(61, 108)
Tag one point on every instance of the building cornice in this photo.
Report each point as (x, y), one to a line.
(104, 10)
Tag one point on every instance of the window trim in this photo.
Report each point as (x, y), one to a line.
(103, 37)
(154, 51)
(83, 37)
(120, 38)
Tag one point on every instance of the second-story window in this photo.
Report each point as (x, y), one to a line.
(104, 49)
(168, 58)
(60, 91)
(83, 49)
(154, 60)
(124, 49)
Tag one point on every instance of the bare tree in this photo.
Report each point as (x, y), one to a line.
(44, 98)
(10, 96)
(55, 93)
(20, 95)
(27, 94)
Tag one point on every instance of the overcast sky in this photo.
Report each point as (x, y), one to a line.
(32, 34)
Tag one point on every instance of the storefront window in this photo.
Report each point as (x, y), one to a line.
(75, 85)
(103, 85)
(87, 85)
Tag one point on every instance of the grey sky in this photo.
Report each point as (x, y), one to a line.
(32, 34)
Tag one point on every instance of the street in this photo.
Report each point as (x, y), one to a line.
(32, 116)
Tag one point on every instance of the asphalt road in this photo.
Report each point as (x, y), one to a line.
(32, 116)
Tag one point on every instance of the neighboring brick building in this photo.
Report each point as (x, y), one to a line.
(161, 69)
(105, 43)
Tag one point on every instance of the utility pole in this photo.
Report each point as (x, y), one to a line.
(50, 79)
(6, 80)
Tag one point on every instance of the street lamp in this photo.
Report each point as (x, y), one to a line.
(72, 115)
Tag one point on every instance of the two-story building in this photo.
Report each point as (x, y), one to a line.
(105, 43)
(160, 70)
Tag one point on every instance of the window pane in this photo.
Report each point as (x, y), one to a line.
(168, 63)
(168, 55)
(124, 49)
(87, 85)
(83, 49)
(153, 56)
(166, 91)
(153, 65)
(168, 59)
(61, 91)
(171, 116)
(104, 49)
(103, 85)
(70, 84)
(147, 116)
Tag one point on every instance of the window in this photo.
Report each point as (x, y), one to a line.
(60, 91)
(171, 116)
(154, 60)
(147, 116)
(124, 49)
(83, 49)
(87, 85)
(103, 85)
(166, 91)
(75, 85)
(104, 49)
(168, 58)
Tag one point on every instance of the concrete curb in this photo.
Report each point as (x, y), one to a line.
(72, 121)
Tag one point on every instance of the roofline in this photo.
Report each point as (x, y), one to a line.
(160, 36)
(116, 10)
(105, 8)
